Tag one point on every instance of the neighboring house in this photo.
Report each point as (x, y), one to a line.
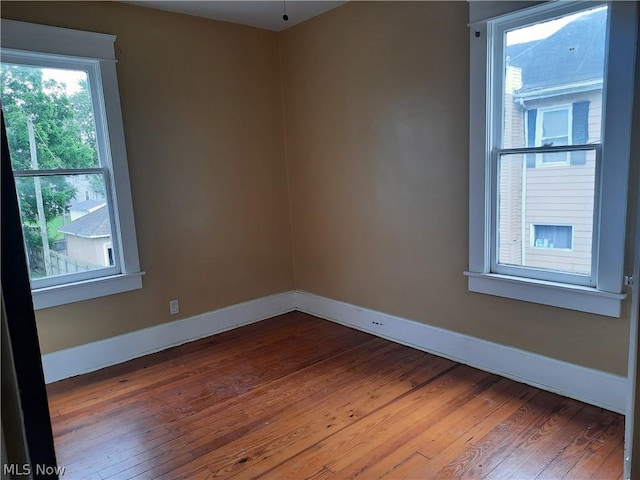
(82, 208)
(553, 90)
(84, 189)
(89, 237)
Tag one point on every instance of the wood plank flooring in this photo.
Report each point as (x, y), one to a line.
(299, 397)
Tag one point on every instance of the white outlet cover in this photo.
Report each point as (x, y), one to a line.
(174, 307)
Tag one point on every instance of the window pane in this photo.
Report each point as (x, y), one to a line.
(49, 117)
(555, 124)
(76, 232)
(545, 215)
(554, 158)
(553, 79)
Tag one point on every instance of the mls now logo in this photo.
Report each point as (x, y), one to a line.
(15, 469)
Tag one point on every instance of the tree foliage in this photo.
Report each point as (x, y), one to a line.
(64, 137)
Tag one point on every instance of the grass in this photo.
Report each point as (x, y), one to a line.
(53, 226)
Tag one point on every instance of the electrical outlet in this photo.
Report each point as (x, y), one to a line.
(174, 307)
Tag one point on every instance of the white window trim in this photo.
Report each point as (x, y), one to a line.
(41, 39)
(607, 296)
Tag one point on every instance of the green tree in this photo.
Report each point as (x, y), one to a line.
(65, 137)
(83, 110)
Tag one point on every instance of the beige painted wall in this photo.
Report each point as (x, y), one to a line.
(202, 112)
(376, 112)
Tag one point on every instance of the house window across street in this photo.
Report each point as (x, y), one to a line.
(553, 236)
(553, 128)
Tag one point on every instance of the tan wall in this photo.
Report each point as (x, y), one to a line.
(202, 111)
(377, 107)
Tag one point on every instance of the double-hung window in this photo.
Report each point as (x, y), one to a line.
(551, 89)
(62, 114)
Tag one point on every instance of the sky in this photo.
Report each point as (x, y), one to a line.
(69, 77)
(543, 30)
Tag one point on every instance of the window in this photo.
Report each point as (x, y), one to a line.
(108, 255)
(550, 136)
(62, 114)
(552, 236)
(553, 128)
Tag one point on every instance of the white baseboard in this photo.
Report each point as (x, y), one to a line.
(591, 386)
(96, 355)
(585, 384)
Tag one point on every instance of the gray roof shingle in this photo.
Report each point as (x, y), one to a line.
(92, 225)
(572, 54)
(88, 205)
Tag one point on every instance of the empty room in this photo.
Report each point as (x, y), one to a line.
(311, 239)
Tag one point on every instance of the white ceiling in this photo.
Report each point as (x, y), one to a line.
(265, 14)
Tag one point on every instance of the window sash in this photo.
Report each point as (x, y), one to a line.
(105, 271)
(536, 272)
(496, 35)
(94, 74)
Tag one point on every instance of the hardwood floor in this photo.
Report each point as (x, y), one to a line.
(299, 397)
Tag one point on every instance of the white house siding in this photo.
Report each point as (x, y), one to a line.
(561, 196)
(510, 193)
(90, 250)
(83, 187)
(510, 246)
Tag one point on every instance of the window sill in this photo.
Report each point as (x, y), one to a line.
(86, 290)
(573, 297)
